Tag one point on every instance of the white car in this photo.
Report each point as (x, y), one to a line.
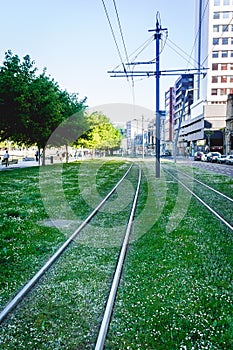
(204, 157)
(212, 156)
(229, 159)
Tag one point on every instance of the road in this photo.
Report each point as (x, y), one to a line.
(217, 168)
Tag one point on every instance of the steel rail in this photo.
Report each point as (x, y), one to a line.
(118, 271)
(201, 201)
(210, 188)
(30, 284)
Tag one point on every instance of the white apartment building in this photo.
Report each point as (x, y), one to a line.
(213, 50)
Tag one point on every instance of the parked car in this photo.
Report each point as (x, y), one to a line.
(166, 153)
(222, 159)
(229, 159)
(198, 155)
(212, 156)
(204, 157)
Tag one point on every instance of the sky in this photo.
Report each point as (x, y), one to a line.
(73, 40)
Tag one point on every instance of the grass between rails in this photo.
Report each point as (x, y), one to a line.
(219, 182)
(175, 292)
(25, 242)
(64, 312)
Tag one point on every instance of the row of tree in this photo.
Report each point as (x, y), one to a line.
(35, 111)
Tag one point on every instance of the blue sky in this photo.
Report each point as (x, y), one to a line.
(73, 40)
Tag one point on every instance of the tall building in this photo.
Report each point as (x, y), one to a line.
(183, 99)
(168, 123)
(214, 51)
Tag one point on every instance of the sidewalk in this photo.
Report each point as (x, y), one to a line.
(20, 164)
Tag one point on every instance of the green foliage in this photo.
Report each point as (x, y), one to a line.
(31, 106)
(101, 134)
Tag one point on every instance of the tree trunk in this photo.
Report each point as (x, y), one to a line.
(67, 154)
(43, 156)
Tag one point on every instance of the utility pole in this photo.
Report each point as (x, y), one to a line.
(157, 37)
(157, 73)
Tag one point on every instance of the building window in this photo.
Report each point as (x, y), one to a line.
(214, 79)
(231, 53)
(226, 2)
(226, 14)
(223, 91)
(231, 66)
(225, 28)
(223, 79)
(224, 54)
(214, 92)
(216, 2)
(231, 41)
(216, 28)
(215, 54)
(223, 66)
(231, 78)
(214, 66)
(215, 41)
(231, 91)
(224, 41)
(216, 15)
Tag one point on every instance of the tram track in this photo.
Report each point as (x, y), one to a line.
(205, 185)
(22, 295)
(225, 217)
(162, 276)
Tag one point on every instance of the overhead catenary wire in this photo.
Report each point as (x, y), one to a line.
(121, 32)
(218, 38)
(198, 31)
(182, 54)
(114, 37)
(182, 51)
(142, 47)
(125, 49)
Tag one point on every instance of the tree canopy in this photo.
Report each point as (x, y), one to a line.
(33, 106)
(101, 135)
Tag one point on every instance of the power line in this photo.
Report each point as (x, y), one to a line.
(199, 28)
(185, 53)
(143, 46)
(218, 38)
(120, 27)
(114, 37)
(126, 53)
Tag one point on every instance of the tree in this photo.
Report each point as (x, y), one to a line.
(15, 78)
(74, 123)
(101, 134)
(33, 107)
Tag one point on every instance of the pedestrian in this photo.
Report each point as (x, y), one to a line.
(37, 155)
(6, 158)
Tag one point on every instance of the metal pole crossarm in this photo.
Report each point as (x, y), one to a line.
(170, 74)
(132, 75)
(152, 73)
(137, 72)
(182, 70)
(137, 63)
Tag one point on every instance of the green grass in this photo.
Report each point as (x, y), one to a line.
(25, 242)
(176, 290)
